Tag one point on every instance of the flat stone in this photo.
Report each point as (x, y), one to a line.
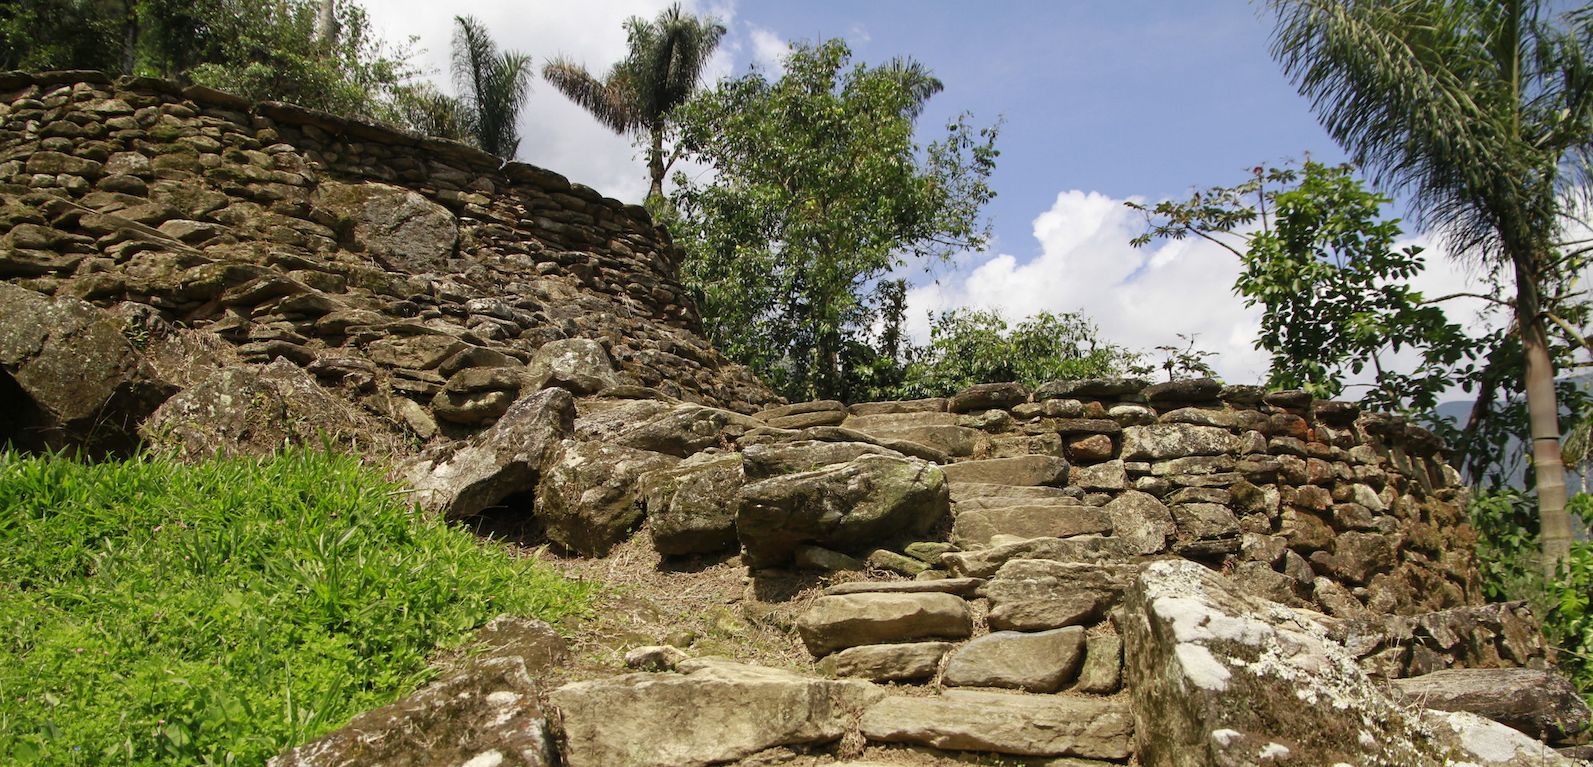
(963, 587)
(1205, 521)
(1005, 723)
(801, 408)
(1161, 441)
(773, 459)
(950, 439)
(973, 491)
(1034, 594)
(1043, 661)
(901, 564)
(714, 712)
(837, 622)
(1190, 390)
(1080, 548)
(929, 405)
(910, 662)
(988, 396)
(1089, 387)
(974, 528)
(1540, 703)
(1109, 476)
(1022, 470)
(820, 558)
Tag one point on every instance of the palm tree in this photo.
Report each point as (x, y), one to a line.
(659, 73)
(1483, 111)
(493, 87)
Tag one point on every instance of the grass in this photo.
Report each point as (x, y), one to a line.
(160, 613)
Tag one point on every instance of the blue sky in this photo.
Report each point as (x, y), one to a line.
(1101, 101)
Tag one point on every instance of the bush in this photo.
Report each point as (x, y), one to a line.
(158, 613)
(1507, 557)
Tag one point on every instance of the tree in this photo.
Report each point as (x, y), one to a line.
(638, 94)
(493, 86)
(1483, 111)
(819, 190)
(973, 346)
(1320, 260)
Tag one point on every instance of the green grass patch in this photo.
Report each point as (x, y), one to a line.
(160, 613)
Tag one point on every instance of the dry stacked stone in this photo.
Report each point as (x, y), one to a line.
(420, 276)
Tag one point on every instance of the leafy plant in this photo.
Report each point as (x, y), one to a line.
(158, 613)
(971, 346)
(494, 85)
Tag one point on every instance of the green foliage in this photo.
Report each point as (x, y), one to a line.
(819, 190)
(970, 346)
(1507, 558)
(1320, 260)
(494, 85)
(157, 613)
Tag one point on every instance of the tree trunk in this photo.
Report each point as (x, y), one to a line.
(655, 161)
(1543, 411)
(326, 26)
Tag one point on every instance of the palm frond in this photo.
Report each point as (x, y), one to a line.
(921, 83)
(609, 100)
(493, 86)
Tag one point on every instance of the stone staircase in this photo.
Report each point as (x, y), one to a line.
(1094, 573)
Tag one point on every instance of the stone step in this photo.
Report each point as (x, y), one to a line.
(1005, 723)
(987, 491)
(1080, 548)
(1543, 704)
(1038, 594)
(849, 620)
(974, 528)
(1042, 661)
(962, 587)
(1022, 470)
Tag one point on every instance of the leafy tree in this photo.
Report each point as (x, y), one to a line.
(638, 94)
(972, 346)
(494, 85)
(819, 190)
(1321, 262)
(1483, 111)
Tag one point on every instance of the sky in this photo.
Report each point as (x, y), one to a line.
(1100, 102)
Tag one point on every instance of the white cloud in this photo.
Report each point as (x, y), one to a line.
(768, 50)
(1140, 297)
(554, 132)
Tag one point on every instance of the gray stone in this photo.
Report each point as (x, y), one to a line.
(69, 378)
(1005, 723)
(1141, 521)
(691, 507)
(1190, 390)
(1080, 548)
(1102, 673)
(1110, 476)
(1204, 521)
(974, 528)
(820, 558)
(503, 462)
(1043, 661)
(486, 714)
(1022, 470)
(773, 459)
(837, 622)
(930, 405)
(1540, 703)
(964, 492)
(845, 506)
(1036, 594)
(963, 587)
(1089, 387)
(578, 364)
(1161, 441)
(988, 396)
(914, 661)
(588, 497)
(802, 408)
(714, 712)
(680, 430)
(400, 229)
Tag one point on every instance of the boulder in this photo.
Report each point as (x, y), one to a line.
(502, 464)
(69, 377)
(486, 714)
(1043, 661)
(1037, 594)
(713, 712)
(1021, 470)
(1006, 723)
(838, 622)
(910, 662)
(400, 229)
(974, 528)
(691, 507)
(578, 364)
(256, 410)
(1219, 677)
(846, 506)
(588, 497)
(1540, 703)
